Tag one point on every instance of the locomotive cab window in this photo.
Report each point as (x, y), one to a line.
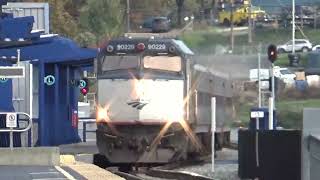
(120, 62)
(164, 63)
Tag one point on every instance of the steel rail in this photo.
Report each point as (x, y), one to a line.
(180, 175)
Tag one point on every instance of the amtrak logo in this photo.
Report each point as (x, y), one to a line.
(138, 103)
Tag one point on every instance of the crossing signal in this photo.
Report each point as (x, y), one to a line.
(272, 53)
(84, 86)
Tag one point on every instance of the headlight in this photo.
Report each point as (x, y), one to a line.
(174, 114)
(102, 114)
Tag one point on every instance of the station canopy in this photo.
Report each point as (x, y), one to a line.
(51, 49)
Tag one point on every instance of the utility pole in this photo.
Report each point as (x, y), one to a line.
(202, 11)
(315, 20)
(128, 15)
(250, 23)
(301, 17)
(231, 26)
(293, 25)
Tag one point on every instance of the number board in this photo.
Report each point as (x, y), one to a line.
(157, 47)
(128, 47)
(125, 47)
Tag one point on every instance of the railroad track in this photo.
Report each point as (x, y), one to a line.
(163, 174)
(166, 172)
(179, 175)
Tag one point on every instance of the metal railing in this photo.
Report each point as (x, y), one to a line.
(85, 121)
(11, 130)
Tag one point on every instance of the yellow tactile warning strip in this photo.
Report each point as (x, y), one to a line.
(88, 171)
(67, 159)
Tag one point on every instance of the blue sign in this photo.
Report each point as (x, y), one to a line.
(82, 84)
(49, 80)
(3, 80)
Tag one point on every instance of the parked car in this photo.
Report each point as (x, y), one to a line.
(157, 24)
(316, 48)
(303, 45)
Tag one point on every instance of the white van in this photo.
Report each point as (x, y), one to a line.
(282, 73)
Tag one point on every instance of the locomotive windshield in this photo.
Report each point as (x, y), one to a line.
(111, 63)
(165, 63)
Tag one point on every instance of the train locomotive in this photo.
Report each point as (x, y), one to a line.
(153, 102)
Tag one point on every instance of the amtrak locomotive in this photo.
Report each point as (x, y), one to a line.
(154, 102)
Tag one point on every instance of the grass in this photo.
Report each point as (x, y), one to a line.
(283, 59)
(206, 39)
(289, 112)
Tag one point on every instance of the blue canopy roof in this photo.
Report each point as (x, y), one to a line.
(57, 49)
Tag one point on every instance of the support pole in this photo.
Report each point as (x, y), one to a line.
(11, 139)
(259, 80)
(18, 56)
(270, 124)
(272, 83)
(213, 129)
(31, 100)
(293, 25)
(250, 24)
(85, 97)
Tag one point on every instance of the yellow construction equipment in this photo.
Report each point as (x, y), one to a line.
(241, 14)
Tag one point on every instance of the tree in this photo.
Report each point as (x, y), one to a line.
(104, 19)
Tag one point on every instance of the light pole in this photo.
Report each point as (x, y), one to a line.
(231, 27)
(250, 23)
(293, 25)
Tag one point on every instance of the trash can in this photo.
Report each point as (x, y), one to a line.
(263, 115)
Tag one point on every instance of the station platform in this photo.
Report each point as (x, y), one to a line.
(69, 169)
(82, 170)
(71, 162)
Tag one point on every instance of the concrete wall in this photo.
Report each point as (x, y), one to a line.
(40, 156)
(311, 126)
(314, 155)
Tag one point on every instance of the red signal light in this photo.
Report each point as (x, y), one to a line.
(272, 53)
(140, 47)
(84, 91)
